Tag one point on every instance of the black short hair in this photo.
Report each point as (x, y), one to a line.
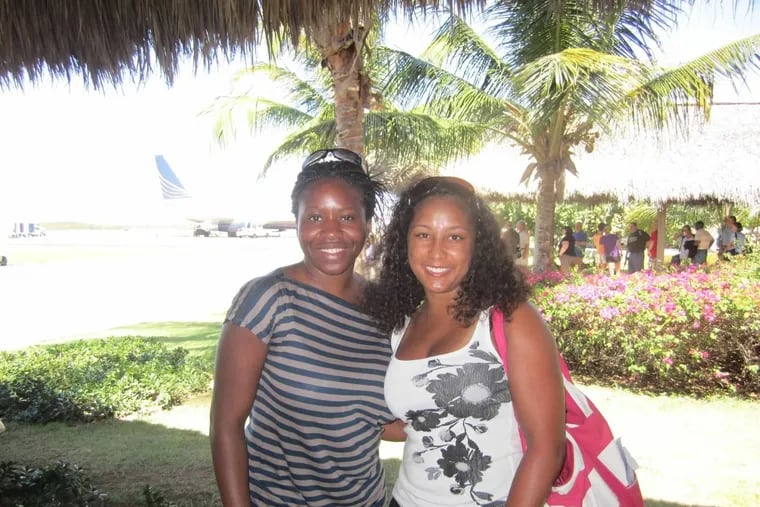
(370, 188)
(492, 279)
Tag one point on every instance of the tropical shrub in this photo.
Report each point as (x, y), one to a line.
(696, 331)
(57, 484)
(155, 498)
(95, 379)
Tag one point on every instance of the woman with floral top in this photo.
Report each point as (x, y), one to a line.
(444, 270)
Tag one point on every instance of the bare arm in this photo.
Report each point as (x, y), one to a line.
(526, 246)
(538, 396)
(239, 361)
(563, 247)
(394, 432)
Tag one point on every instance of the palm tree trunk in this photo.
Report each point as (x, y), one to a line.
(546, 202)
(343, 57)
(349, 113)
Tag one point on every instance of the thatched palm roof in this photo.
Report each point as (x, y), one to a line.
(104, 41)
(719, 162)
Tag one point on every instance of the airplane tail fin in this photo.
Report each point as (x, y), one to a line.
(171, 187)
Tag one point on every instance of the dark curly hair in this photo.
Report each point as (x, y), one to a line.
(492, 279)
(371, 189)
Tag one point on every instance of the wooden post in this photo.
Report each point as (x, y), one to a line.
(662, 235)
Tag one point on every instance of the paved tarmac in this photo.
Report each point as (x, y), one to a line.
(93, 281)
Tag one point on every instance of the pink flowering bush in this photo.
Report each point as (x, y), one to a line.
(695, 331)
(545, 279)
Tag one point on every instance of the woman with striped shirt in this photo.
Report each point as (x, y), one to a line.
(303, 364)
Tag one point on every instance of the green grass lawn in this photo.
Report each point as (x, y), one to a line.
(691, 452)
(199, 338)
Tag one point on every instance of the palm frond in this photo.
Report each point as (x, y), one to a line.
(456, 45)
(592, 83)
(662, 101)
(632, 35)
(257, 113)
(530, 29)
(412, 81)
(298, 87)
(415, 138)
(303, 141)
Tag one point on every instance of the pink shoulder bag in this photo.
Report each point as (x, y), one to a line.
(598, 471)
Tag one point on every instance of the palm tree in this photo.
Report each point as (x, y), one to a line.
(398, 143)
(340, 38)
(560, 76)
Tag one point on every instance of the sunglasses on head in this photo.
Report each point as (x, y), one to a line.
(431, 182)
(333, 155)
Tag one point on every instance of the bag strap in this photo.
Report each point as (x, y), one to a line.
(499, 338)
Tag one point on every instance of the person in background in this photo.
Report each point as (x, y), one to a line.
(652, 247)
(568, 256)
(736, 244)
(303, 364)
(522, 231)
(600, 260)
(636, 243)
(367, 264)
(687, 247)
(725, 235)
(610, 243)
(512, 239)
(581, 240)
(704, 241)
(445, 269)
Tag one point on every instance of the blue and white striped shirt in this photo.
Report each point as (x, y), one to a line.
(314, 429)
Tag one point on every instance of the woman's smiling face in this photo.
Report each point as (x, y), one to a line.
(440, 239)
(331, 226)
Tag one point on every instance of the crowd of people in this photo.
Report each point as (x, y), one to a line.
(316, 364)
(608, 250)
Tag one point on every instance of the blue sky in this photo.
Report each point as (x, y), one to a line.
(73, 154)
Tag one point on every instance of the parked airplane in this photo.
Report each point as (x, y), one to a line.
(172, 189)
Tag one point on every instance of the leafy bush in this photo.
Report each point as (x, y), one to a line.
(95, 379)
(695, 332)
(546, 279)
(154, 498)
(57, 484)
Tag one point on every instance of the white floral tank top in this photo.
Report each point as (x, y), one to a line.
(463, 445)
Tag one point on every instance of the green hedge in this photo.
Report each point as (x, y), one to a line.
(58, 484)
(695, 332)
(94, 379)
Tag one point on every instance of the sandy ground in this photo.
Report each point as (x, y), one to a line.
(695, 454)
